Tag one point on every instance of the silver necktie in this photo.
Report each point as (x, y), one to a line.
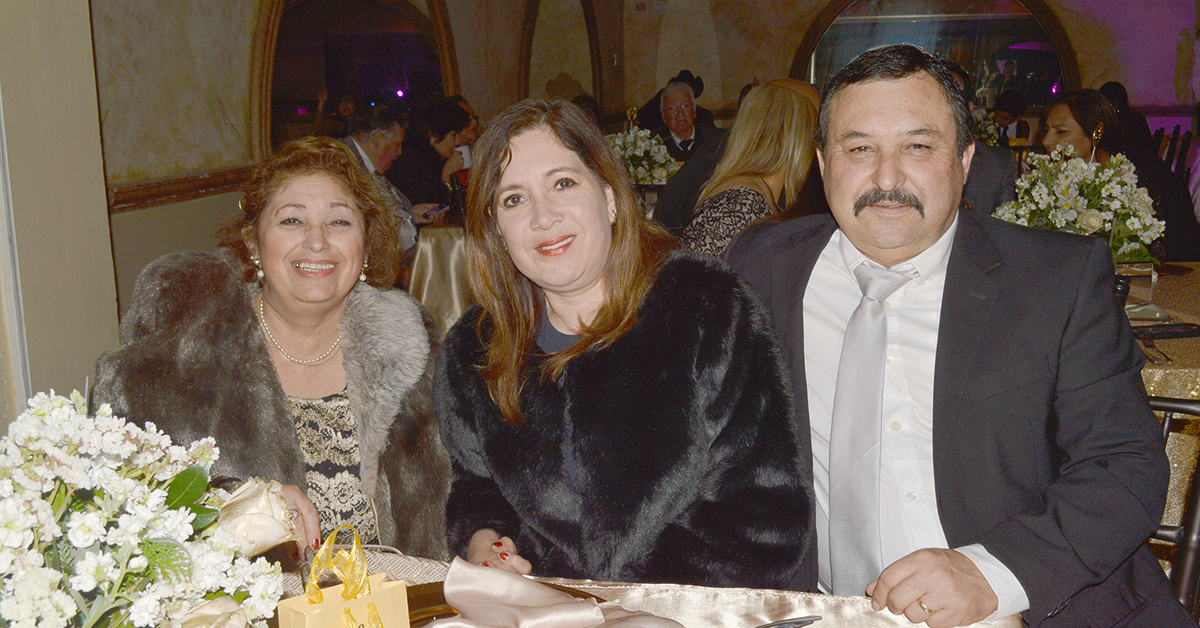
(854, 554)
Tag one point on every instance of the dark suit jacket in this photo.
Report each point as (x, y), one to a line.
(1045, 449)
(705, 134)
(992, 179)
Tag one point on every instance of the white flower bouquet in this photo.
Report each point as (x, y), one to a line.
(103, 523)
(986, 129)
(646, 158)
(1065, 193)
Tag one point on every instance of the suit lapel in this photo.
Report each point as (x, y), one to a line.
(967, 303)
(790, 272)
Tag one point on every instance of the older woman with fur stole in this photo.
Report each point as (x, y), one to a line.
(290, 348)
(613, 410)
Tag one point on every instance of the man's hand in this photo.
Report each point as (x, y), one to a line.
(947, 583)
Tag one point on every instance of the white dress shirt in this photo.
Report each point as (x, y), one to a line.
(907, 502)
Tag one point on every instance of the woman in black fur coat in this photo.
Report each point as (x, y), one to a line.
(613, 410)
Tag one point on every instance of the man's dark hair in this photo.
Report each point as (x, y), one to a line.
(377, 118)
(890, 63)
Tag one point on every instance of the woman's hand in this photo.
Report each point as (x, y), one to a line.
(425, 213)
(454, 163)
(308, 522)
(489, 549)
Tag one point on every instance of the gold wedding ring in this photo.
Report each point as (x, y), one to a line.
(925, 608)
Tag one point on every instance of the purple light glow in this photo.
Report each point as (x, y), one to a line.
(1054, 88)
(1032, 45)
(302, 111)
(399, 93)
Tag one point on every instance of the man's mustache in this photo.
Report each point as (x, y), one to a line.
(895, 196)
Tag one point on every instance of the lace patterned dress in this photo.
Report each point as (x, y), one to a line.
(721, 217)
(328, 436)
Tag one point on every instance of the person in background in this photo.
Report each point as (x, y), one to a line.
(982, 442)
(681, 133)
(993, 176)
(767, 156)
(335, 125)
(376, 139)
(614, 410)
(1010, 106)
(1074, 118)
(649, 115)
(1133, 124)
(290, 349)
(424, 170)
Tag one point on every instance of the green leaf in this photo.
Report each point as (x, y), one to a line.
(187, 487)
(204, 516)
(168, 560)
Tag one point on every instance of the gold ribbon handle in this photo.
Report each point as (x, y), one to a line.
(349, 566)
(373, 620)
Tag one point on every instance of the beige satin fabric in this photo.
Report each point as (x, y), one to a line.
(490, 598)
(706, 607)
(439, 274)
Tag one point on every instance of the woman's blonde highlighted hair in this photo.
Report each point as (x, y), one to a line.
(773, 132)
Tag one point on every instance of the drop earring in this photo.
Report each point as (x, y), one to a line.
(258, 265)
(363, 275)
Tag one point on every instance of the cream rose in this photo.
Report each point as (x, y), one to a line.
(1090, 221)
(256, 516)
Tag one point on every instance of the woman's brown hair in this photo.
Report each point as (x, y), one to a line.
(512, 304)
(309, 155)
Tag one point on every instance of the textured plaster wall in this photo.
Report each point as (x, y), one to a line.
(487, 40)
(52, 160)
(560, 46)
(173, 82)
(1149, 45)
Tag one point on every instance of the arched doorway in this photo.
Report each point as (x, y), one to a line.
(369, 48)
(979, 36)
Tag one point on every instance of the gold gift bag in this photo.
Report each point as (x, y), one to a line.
(360, 601)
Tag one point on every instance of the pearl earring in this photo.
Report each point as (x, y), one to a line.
(363, 275)
(258, 264)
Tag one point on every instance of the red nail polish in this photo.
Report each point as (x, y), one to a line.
(497, 545)
(503, 555)
(485, 564)
(316, 544)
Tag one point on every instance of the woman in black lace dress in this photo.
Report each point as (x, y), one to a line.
(767, 158)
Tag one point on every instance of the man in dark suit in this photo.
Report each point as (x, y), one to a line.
(1015, 465)
(681, 133)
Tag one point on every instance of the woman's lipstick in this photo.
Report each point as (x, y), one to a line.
(557, 246)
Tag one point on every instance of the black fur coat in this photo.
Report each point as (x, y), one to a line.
(194, 362)
(686, 464)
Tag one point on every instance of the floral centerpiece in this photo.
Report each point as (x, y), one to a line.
(103, 523)
(1066, 193)
(986, 129)
(646, 158)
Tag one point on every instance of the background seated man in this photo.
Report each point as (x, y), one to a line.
(681, 133)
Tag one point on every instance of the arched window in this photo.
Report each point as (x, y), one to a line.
(1002, 43)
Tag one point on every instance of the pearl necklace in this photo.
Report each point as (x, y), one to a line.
(262, 319)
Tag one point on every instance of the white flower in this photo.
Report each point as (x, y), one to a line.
(1090, 221)
(85, 528)
(34, 600)
(93, 571)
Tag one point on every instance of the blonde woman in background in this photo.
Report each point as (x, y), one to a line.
(767, 158)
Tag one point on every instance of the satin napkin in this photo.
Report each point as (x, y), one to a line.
(490, 598)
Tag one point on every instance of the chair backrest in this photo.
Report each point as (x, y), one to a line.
(1156, 141)
(1185, 564)
(1169, 156)
(1181, 161)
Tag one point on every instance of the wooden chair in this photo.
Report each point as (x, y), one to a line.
(1185, 563)
(1185, 143)
(1172, 144)
(1156, 141)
